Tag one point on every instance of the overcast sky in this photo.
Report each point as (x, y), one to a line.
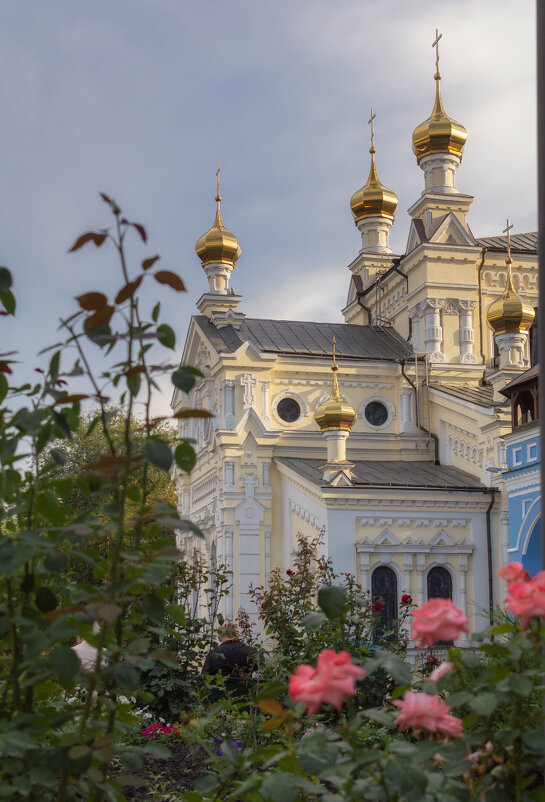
(141, 98)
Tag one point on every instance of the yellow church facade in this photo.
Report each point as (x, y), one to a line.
(385, 432)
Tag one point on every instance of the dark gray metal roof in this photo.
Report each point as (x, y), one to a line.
(528, 376)
(520, 243)
(483, 396)
(309, 339)
(391, 474)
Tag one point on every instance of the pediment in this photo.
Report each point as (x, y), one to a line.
(341, 479)
(416, 235)
(387, 538)
(451, 232)
(442, 539)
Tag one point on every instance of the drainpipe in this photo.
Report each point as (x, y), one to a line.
(479, 296)
(422, 428)
(492, 492)
(366, 308)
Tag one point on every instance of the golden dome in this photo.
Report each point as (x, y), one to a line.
(439, 133)
(373, 199)
(335, 413)
(218, 244)
(509, 314)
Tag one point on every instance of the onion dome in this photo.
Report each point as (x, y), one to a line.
(509, 314)
(439, 133)
(335, 413)
(218, 245)
(373, 199)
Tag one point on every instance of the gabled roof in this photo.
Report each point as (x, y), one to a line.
(529, 375)
(308, 339)
(393, 473)
(475, 394)
(520, 243)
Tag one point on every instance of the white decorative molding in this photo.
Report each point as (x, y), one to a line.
(300, 400)
(390, 408)
(248, 382)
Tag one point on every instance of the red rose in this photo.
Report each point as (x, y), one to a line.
(378, 607)
(406, 599)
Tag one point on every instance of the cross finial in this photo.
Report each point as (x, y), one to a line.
(508, 232)
(218, 180)
(370, 122)
(436, 46)
(334, 365)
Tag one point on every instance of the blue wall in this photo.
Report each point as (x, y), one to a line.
(523, 491)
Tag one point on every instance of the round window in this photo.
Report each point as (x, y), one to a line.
(288, 410)
(376, 413)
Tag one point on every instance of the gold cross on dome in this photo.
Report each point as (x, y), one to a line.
(334, 366)
(508, 232)
(218, 178)
(370, 122)
(436, 45)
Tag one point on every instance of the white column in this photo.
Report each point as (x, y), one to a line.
(408, 568)
(229, 468)
(433, 333)
(219, 404)
(414, 314)
(265, 388)
(463, 592)
(268, 530)
(266, 475)
(229, 606)
(504, 541)
(229, 402)
(364, 570)
(440, 172)
(421, 567)
(406, 409)
(513, 349)
(467, 334)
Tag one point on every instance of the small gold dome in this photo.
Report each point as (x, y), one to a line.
(373, 199)
(335, 413)
(439, 133)
(509, 314)
(218, 244)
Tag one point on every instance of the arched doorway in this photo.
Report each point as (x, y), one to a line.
(439, 583)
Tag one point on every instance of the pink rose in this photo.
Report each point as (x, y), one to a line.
(526, 599)
(438, 619)
(439, 672)
(420, 711)
(514, 572)
(331, 682)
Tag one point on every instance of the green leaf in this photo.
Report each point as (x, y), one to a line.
(8, 301)
(54, 365)
(177, 613)
(5, 279)
(127, 676)
(522, 686)
(206, 783)
(4, 386)
(59, 456)
(166, 336)
(332, 601)
(272, 690)
(46, 601)
(313, 621)
(155, 312)
(133, 383)
(185, 377)
(154, 609)
(185, 457)
(63, 424)
(64, 663)
(379, 715)
(279, 786)
(484, 704)
(158, 453)
(56, 563)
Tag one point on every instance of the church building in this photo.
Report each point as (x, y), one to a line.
(385, 432)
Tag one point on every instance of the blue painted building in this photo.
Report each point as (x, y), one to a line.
(522, 477)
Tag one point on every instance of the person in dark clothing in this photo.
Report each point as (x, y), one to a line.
(231, 657)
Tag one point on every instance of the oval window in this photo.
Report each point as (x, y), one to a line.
(288, 410)
(376, 413)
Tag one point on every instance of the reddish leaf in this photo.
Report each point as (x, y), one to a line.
(272, 706)
(90, 236)
(141, 230)
(70, 399)
(91, 301)
(128, 290)
(271, 724)
(5, 368)
(172, 279)
(147, 263)
(136, 369)
(99, 317)
(106, 199)
(193, 413)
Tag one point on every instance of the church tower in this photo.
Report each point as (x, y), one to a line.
(218, 250)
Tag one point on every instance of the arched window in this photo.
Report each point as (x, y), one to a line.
(384, 590)
(439, 583)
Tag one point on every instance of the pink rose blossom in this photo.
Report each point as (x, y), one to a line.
(420, 711)
(438, 619)
(439, 672)
(331, 682)
(514, 572)
(526, 599)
